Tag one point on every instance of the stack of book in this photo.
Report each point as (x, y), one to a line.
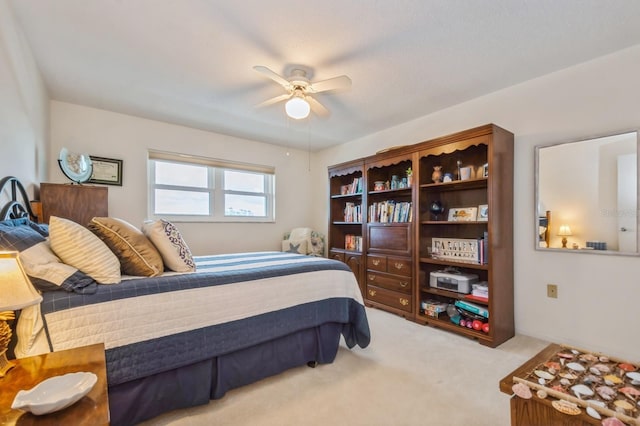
(352, 212)
(353, 242)
(390, 212)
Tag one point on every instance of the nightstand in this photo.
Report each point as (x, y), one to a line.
(93, 409)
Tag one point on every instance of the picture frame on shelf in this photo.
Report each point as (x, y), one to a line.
(462, 214)
(483, 213)
(106, 171)
(485, 170)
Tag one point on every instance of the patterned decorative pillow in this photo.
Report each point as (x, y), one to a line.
(169, 242)
(291, 246)
(82, 249)
(45, 270)
(137, 255)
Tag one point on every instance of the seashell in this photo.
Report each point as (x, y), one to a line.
(621, 403)
(627, 367)
(602, 368)
(593, 413)
(552, 364)
(588, 358)
(610, 378)
(569, 376)
(552, 371)
(605, 392)
(575, 351)
(595, 371)
(566, 407)
(565, 382)
(544, 375)
(612, 421)
(559, 389)
(591, 379)
(542, 394)
(522, 390)
(542, 381)
(635, 382)
(575, 366)
(603, 358)
(633, 375)
(565, 355)
(581, 390)
(629, 391)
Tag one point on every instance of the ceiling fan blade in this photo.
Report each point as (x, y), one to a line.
(341, 82)
(273, 76)
(317, 107)
(274, 100)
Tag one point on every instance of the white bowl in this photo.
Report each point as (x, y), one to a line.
(55, 393)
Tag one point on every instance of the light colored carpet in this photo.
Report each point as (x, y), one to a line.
(409, 375)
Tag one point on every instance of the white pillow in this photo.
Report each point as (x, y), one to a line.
(169, 242)
(75, 245)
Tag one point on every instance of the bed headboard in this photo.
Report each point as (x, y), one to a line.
(14, 209)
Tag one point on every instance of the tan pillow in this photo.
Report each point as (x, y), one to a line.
(137, 255)
(75, 245)
(169, 242)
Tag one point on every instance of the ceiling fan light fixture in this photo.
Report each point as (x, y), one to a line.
(297, 107)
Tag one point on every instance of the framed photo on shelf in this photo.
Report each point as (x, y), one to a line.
(483, 212)
(485, 170)
(106, 171)
(463, 214)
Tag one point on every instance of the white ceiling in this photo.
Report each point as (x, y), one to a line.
(190, 61)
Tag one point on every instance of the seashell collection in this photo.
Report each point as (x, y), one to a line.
(603, 387)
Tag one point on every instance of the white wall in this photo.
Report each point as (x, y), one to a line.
(23, 106)
(597, 307)
(107, 134)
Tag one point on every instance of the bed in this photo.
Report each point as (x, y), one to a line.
(181, 339)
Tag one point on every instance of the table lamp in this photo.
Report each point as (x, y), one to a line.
(564, 232)
(16, 292)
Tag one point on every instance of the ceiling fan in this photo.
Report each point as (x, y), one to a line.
(300, 91)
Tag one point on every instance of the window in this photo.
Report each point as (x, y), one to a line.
(197, 189)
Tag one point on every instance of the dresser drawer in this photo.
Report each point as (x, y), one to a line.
(377, 263)
(336, 255)
(390, 282)
(389, 298)
(399, 266)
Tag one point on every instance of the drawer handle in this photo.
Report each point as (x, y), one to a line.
(372, 277)
(404, 302)
(399, 265)
(404, 283)
(372, 293)
(375, 262)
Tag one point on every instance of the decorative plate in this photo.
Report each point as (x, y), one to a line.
(77, 167)
(55, 393)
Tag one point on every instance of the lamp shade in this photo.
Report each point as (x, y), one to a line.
(564, 231)
(297, 107)
(16, 291)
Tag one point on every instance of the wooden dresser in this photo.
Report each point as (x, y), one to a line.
(79, 203)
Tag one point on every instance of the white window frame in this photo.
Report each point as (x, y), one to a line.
(215, 188)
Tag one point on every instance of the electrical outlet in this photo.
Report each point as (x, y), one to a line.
(552, 291)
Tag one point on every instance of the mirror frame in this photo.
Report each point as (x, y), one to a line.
(537, 195)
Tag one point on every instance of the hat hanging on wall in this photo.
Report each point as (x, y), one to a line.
(77, 167)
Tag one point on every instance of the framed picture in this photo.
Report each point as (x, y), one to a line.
(107, 171)
(463, 214)
(483, 212)
(485, 170)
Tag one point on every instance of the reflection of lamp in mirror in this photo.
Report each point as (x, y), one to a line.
(17, 293)
(564, 232)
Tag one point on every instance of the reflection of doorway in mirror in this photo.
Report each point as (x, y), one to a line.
(627, 201)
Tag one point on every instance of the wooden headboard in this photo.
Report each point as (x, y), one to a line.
(14, 209)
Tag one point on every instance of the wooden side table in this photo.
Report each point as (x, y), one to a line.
(537, 411)
(92, 409)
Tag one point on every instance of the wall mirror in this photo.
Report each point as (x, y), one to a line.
(587, 195)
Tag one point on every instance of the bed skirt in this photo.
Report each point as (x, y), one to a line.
(196, 384)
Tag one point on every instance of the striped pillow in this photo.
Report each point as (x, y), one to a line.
(82, 249)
